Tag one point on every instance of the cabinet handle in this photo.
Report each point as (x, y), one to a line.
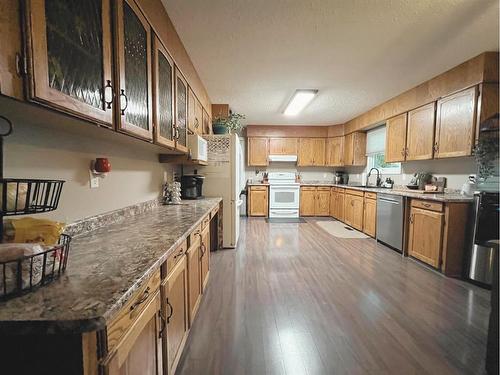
(407, 151)
(203, 250)
(412, 218)
(110, 102)
(171, 311)
(144, 297)
(163, 325)
(196, 123)
(403, 152)
(122, 93)
(436, 147)
(426, 204)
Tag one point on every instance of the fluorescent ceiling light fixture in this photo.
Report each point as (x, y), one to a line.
(299, 101)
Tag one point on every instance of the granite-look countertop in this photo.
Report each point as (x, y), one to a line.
(104, 269)
(444, 197)
(257, 183)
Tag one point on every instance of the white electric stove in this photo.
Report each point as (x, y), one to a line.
(284, 193)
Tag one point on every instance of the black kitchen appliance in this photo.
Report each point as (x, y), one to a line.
(341, 177)
(191, 186)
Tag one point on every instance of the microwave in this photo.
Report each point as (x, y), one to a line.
(198, 147)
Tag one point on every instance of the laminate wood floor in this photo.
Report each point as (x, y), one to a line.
(291, 299)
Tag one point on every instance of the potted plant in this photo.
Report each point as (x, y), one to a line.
(230, 124)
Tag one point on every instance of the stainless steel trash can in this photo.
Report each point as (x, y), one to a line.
(481, 264)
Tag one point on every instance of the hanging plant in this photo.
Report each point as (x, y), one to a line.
(486, 154)
(232, 123)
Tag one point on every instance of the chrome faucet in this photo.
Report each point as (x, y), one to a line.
(378, 177)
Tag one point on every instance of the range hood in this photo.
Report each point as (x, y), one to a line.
(290, 158)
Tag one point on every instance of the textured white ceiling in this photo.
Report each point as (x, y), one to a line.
(253, 54)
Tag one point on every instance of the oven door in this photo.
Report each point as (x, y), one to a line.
(284, 196)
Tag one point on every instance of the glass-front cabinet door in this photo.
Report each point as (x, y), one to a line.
(181, 111)
(70, 57)
(133, 64)
(163, 90)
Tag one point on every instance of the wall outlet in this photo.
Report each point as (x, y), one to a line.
(324, 175)
(94, 182)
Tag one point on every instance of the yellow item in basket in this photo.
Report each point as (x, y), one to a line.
(36, 230)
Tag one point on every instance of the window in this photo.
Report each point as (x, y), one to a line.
(375, 152)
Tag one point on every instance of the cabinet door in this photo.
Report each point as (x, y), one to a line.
(455, 124)
(205, 256)
(140, 350)
(348, 149)
(181, 111)
(318, 151)
(348, 210)
(322, 204)
(258, 150)
(194, 278)
(163, 93)
(191, 111)
(340, 206)
(283, 146)
(395, 139)
(359, 149)
(11, 83)
(370, 217)
(290, 146)
(307, 201)
(420, 134)
(258, 201)
(358, 213)
(426, 236)
(71, 57)
(334, 152)
(333, 199)
(174, 306)
(207, 123)
(198, 117)
(306, 152)
(133, 62)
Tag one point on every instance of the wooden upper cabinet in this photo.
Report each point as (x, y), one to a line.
(395, 139)
(258, 151)
(11, 80)
(181, 111)
(283, 146)
(207, 123)
(140, 350)
(163, 94)
(134, 71)
(355, 149)
(420, 134)
(334, 152)
(426, 235)
(455, 124)
(70, 57)
(311, 152)
(195, 114)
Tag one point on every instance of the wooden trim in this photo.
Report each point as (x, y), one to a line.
(158, 48)
(40, 91)
(89, 353)
(472, 72)
(285, 131)
(454, 240)
(121, 122)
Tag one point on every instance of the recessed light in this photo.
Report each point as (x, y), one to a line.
(299, 101)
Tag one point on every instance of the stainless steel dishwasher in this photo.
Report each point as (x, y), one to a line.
(390, 214)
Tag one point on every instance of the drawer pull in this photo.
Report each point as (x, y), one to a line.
(426, 204)
(163, 324)
(144, 297)
(203, 250)
(171, 311)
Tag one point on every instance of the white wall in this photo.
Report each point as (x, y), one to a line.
(40, 147)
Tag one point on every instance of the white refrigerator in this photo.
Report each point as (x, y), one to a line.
(225, 177)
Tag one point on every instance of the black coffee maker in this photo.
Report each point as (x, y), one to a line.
(191, 186)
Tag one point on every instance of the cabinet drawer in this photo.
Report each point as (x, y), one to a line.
(308, 188)
(205, 222)
(172, 259)
(369, 195)
(323, 188)
(359, 193)
(340, 190)
(427, 205)
(258, 188)
(131, 310)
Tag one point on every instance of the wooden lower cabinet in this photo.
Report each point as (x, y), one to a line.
(370, 214)
(205, 256)
(337, 203)
(425, 235)
(140, 350)
(353, 210)
(174, 307)
(258, 201)
(315, 201)
(194, 277)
